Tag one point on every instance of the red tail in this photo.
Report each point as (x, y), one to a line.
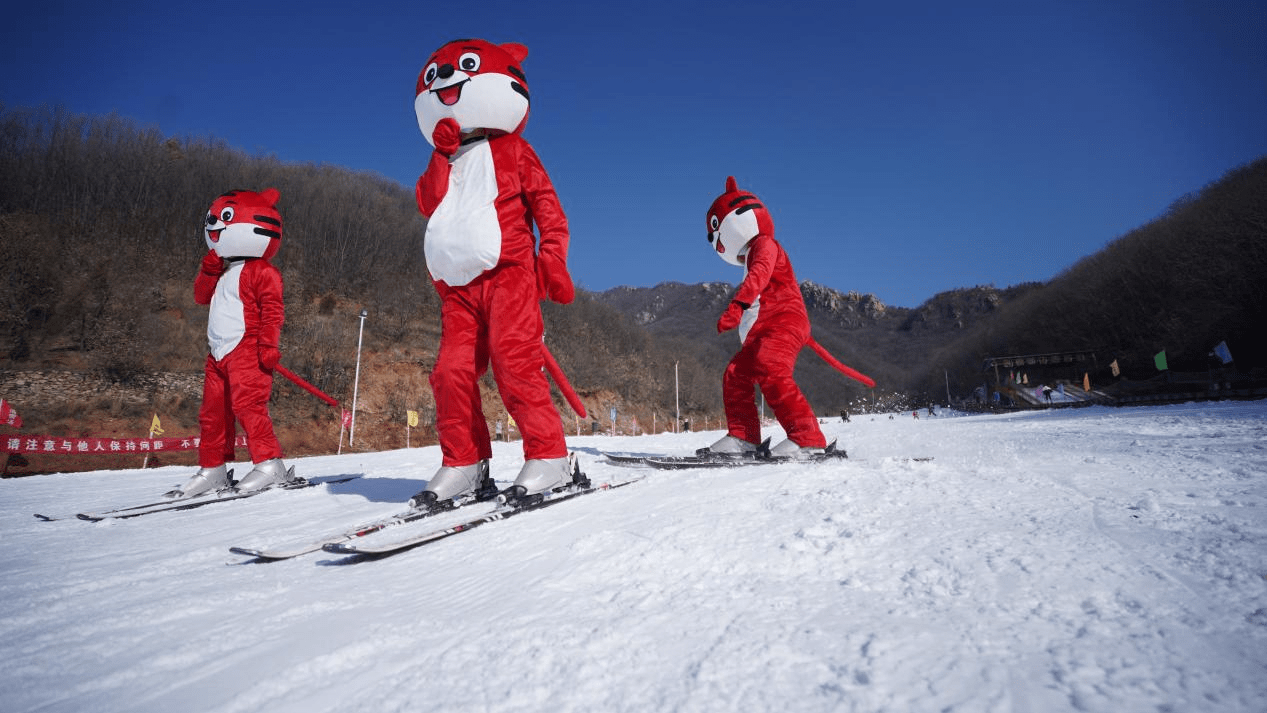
(305, 385)
(847, 371)
(561, 379)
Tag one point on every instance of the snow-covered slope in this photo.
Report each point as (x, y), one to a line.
(1093, 559)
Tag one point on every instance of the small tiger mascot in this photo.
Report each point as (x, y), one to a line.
(243, 230)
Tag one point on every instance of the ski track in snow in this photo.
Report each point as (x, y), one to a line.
(1073, 560)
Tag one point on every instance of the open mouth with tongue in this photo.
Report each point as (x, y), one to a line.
(450, 95)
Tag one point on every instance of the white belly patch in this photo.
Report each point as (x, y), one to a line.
(226, 320)
(463, 237)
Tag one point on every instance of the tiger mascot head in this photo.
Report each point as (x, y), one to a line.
(477, 83)
(734, 219)
(244, 224)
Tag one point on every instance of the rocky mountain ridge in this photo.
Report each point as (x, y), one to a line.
(890, 344)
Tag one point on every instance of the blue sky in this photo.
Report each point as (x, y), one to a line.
(903, 148)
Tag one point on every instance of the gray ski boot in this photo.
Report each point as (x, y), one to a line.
(789, 449)
(265, 475)
(728, 445)
(542, 474)
(452, 481)
(204, 481)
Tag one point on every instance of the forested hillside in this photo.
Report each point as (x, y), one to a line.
(100, 236)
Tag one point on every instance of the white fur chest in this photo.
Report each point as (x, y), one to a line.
(464, 237)
(226, 318)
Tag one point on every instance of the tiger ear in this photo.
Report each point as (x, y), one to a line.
(731, 185)
(270, 196)
(516, 50)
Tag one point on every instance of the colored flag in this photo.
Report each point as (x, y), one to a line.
(347, 418)
(9, 416)
(1159, 359)
(1117, 371)
(1086, 382)
(1222, 352)
(156, 427)
(510, 421)
(411, 417)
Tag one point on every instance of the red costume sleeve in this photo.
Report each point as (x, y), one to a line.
(262, 298)
(208, 275)
(763, 255)
(433, 184)
(553, 280)
(547, 212)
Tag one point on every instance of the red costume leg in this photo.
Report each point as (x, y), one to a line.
(739, 396)
(215, 418)
(515, 331)
(249, 390)
(461, 361)
(773, 364)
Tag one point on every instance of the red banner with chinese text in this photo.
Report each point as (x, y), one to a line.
(94, 445)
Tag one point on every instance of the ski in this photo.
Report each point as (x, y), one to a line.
(705, 459)
(75, 515)
(272, 554)
(504, 511)
(703, 455)
(628, 458)
(164, 501)
(680, 463)
(219, 496)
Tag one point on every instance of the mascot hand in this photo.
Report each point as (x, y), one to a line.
(212, 264)
(269, 356)
(553, 280)
(447, 136)
(730, 318)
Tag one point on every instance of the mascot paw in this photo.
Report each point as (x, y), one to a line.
(269, 357)
(212, 264)
(553, 281)
(447, 136)
(730, 318)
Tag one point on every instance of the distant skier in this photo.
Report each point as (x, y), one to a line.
(773, 327)
(243, 231)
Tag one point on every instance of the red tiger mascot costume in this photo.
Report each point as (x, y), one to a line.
(244, 324)
(483, 190)
(773, 327)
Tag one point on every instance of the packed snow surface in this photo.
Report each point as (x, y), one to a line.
(1093, 560)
